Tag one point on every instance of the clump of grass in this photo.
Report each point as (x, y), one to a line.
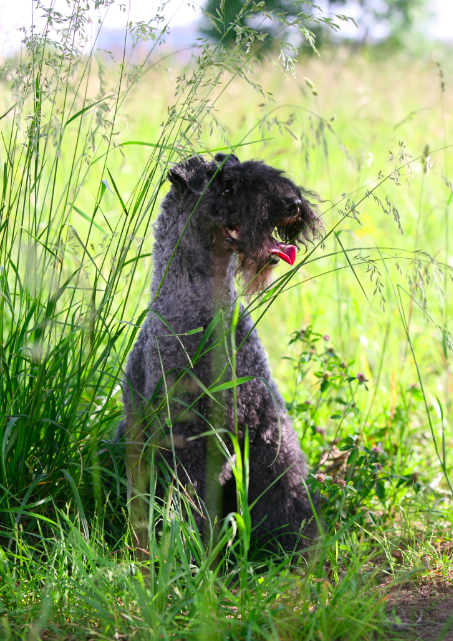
(75, 263)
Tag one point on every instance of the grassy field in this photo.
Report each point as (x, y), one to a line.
(85, 146)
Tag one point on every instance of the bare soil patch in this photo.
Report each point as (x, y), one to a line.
(423, 609)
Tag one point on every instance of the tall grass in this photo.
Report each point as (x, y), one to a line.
(75, 256)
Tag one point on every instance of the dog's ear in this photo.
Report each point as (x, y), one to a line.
(231, 159)
(190, 174)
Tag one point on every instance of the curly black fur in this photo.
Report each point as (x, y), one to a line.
(235, 211)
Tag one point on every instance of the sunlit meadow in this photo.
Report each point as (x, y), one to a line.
(357, 336)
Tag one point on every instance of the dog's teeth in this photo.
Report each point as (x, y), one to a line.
(233, 233)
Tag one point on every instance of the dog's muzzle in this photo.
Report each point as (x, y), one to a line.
(277, 249)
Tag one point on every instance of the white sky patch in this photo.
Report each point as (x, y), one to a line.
(19, 13)
(442, 26)
(181, 13)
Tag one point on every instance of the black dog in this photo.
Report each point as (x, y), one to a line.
(224, 215)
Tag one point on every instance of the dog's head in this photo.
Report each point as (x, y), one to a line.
(250, 209)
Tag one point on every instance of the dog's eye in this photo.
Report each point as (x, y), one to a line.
(227, 191)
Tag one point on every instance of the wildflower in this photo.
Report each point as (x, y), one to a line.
(320, 477)
(341, 483)
(376, 449)
(361, 378)
(326, 337)
(307, 402)
(326, 376)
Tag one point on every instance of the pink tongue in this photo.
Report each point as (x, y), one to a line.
(285, 252)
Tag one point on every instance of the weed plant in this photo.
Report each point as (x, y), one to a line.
(75, 263)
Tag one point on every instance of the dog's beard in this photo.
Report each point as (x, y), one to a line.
(254, 277)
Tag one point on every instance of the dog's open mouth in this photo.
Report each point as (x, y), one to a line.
(287, 253)
(231, 234)
(277, 249)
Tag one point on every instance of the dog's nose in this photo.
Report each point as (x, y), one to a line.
(292, 206)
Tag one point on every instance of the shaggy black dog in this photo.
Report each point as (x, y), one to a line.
(220, 219)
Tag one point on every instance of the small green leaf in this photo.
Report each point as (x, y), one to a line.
(230, 384)
(82, 111)
(7, 112)
(79, 504)
(116, 191)
(212, 325)
(105, 186)
(380, 490)
(88, 219)
(194, 331)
